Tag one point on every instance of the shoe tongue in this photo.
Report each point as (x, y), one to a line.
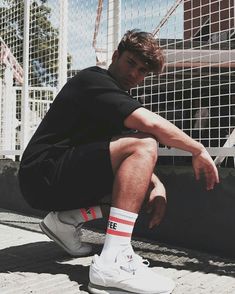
(127, 253)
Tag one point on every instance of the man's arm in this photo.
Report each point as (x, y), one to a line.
(164, 131)
(168, 134)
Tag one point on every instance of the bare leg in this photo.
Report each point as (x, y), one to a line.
(133, 160)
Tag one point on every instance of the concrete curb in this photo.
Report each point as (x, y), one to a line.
(195, 218)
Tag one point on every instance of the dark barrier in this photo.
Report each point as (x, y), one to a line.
(195, 218)
(10, 196)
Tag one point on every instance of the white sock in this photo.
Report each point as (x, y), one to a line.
(81, 215)
(90, 213)
(118, 234)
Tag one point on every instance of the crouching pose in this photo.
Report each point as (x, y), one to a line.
(97, 140)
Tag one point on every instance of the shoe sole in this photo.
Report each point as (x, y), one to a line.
(96, 289)
(53, 237)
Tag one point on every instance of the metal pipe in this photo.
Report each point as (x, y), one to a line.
(114, 27)
(63, 29)
(25, 87)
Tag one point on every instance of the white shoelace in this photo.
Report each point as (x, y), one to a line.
(134, 263)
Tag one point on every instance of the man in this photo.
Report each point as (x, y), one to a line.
(97, 140)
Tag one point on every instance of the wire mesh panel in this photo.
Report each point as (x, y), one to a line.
(43, 43)
(42, 63)
(11, 24)
(87, 34)
(196, 91)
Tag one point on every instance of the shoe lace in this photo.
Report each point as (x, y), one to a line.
(134, 262)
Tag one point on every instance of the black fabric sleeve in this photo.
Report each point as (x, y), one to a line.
(113, 106)
(104, 100)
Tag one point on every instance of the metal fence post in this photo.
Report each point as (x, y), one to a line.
(63, 27)
(114, 27)
(25, 88)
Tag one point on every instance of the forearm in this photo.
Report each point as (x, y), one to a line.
(168, 134)
(164, 131)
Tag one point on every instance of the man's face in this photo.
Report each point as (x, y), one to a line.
(128, 69)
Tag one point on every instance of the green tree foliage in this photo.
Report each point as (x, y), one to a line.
(43, 39)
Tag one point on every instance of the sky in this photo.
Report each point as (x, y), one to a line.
(142, 14)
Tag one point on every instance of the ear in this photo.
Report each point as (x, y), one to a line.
(115, 55)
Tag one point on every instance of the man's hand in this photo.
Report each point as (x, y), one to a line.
(156, 203)
(156, 209)
(203, 163)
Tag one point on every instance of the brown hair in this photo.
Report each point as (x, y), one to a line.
(145, 46)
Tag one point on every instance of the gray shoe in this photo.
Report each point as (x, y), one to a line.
(66, 236)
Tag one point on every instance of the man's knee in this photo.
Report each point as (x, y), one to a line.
(146, 145)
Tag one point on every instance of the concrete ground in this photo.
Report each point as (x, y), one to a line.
(31, 263)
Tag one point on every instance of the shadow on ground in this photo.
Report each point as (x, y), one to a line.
(43, 258)
(47, 258)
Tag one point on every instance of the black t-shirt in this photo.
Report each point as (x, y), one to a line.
(91, 107)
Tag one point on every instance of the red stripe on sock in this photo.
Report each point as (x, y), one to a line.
(118, 233)
(84, 214)
(93, 213)
(121, 221)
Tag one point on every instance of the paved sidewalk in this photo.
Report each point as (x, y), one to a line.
(31, 263)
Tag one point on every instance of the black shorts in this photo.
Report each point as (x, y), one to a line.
(79, 177)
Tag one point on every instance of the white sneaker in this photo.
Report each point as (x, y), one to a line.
(128, 274)
(66, 236)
